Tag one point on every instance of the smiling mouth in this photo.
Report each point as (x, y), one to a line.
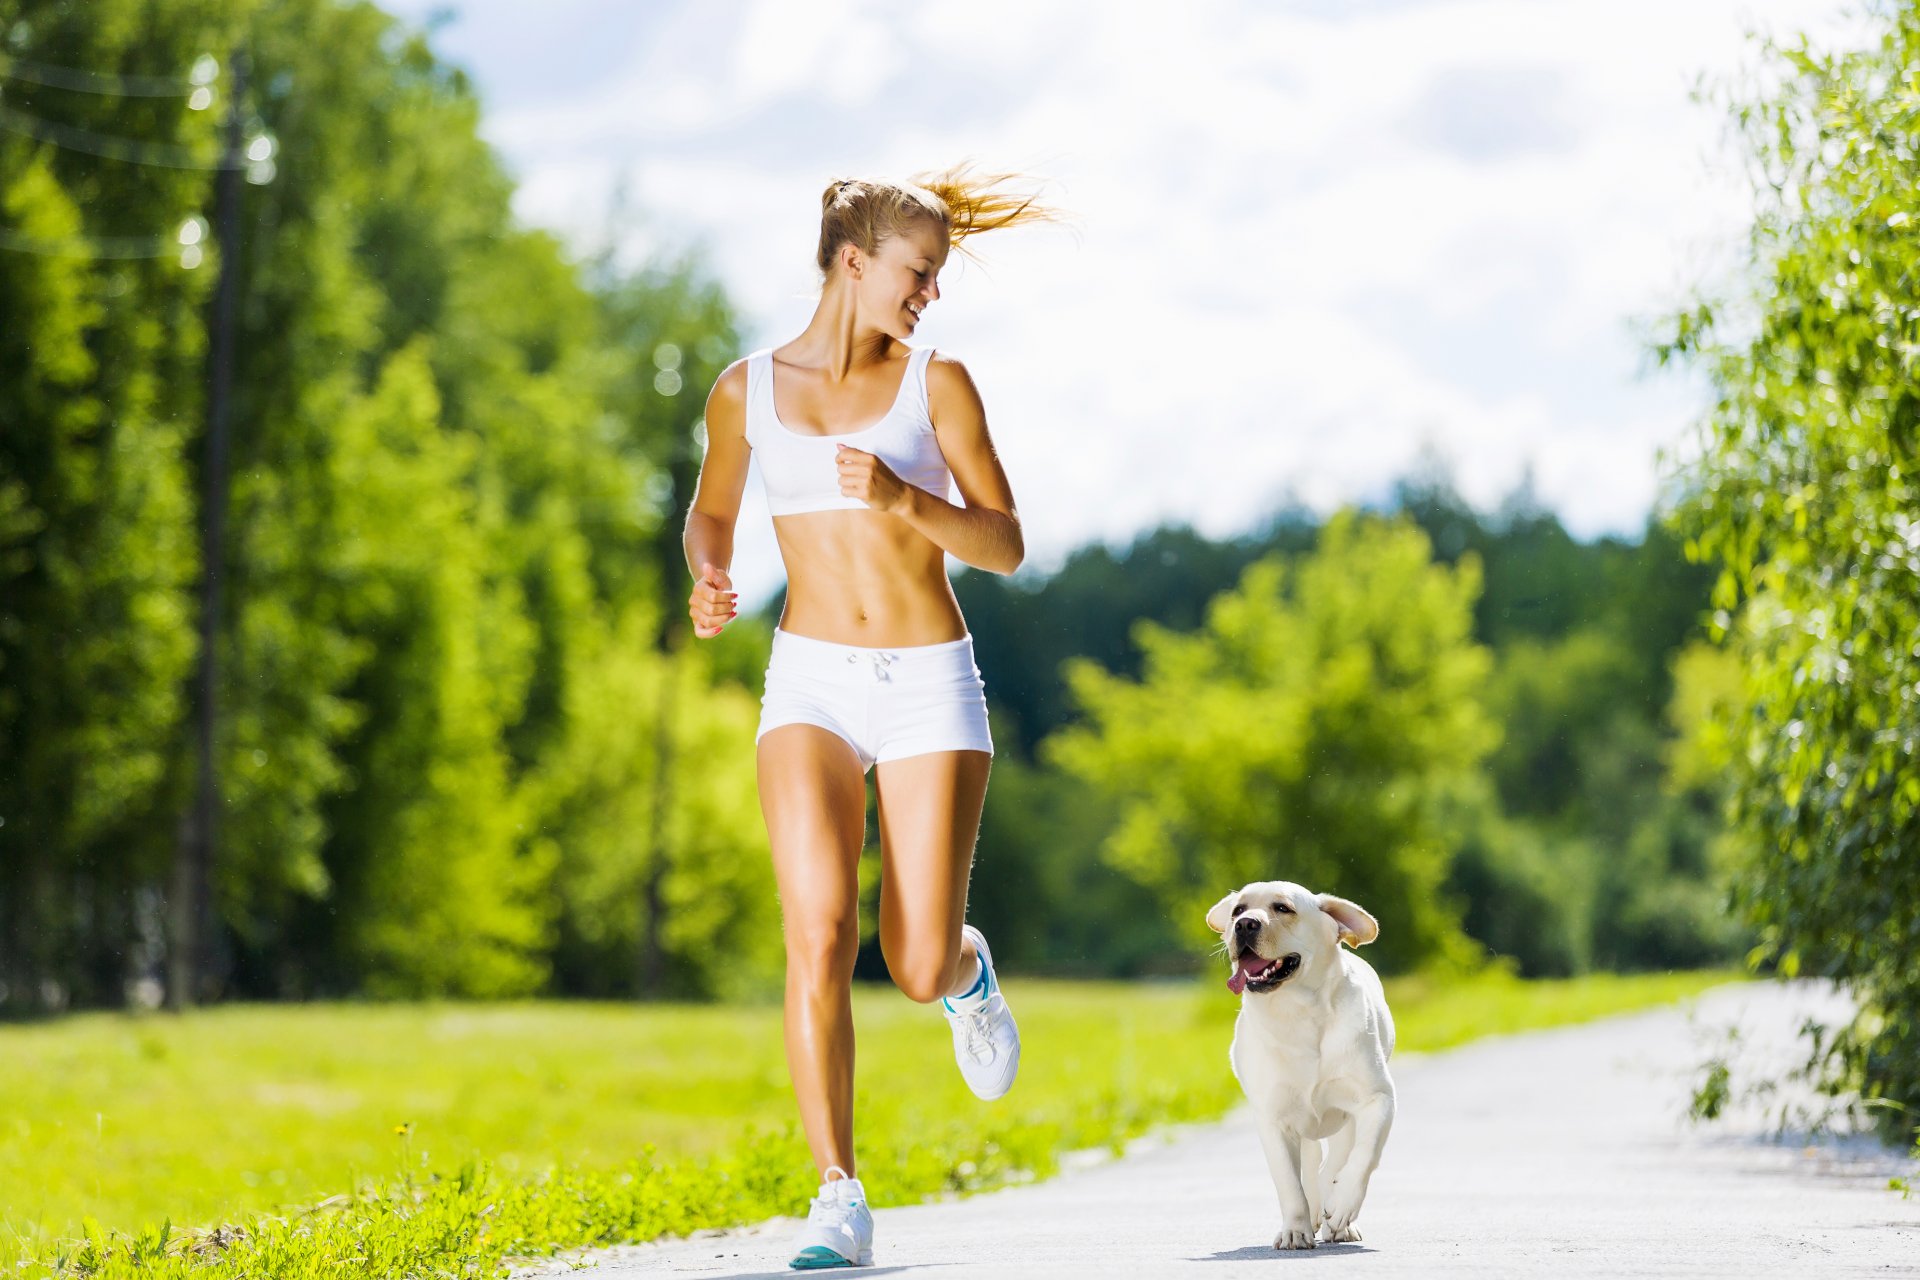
(1253, 972)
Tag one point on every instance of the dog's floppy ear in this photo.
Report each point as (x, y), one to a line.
(1357, 928)
(1222, 912)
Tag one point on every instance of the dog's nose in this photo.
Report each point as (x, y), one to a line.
(1245, 927)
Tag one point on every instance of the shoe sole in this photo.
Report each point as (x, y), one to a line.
(827, 1260)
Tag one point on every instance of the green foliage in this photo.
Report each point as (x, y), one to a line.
(450, 546)
(596, 792)
(99, 365)
(1525, 894)
(1595, 856)
(1560, 700)
(1051, 901)
(1026, 631)
(1805, 494)
(1310, 731)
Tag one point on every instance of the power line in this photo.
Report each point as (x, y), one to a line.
(124, 247)
(203, 74)
(256, 158)
(165, 155)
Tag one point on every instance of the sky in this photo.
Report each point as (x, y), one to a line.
(1316, 245)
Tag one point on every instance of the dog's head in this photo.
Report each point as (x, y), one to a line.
(1276, 929)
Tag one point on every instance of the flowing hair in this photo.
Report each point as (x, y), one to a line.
(864, 211)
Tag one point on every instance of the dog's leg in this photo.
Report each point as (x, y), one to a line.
(1283, 1162)
(1372, 1119)
(1310, 1167)
(1339, 1147)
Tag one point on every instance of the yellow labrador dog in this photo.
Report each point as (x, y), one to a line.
(1310, 1048)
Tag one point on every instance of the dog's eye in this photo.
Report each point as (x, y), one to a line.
(1283, 908)
(1237, 910)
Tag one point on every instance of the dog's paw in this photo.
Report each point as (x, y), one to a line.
(1329, 1236)
(1343, 1206)
(1292, 1239)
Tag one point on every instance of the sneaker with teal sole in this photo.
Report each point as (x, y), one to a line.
(839, 1227)
(986, 1043)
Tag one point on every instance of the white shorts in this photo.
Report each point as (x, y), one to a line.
(886, 703)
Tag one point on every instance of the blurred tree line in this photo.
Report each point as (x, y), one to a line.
(1468, 722)
(465, 746)
(448, 744)
(1805, 496)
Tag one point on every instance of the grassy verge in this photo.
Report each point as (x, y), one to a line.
(440, 1139)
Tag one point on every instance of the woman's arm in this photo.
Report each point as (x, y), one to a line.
(708, 538)
(984, 533)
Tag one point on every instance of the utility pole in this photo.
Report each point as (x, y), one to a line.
(682, 472)
(193, 868)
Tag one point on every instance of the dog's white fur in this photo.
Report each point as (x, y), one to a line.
(1312, 1054)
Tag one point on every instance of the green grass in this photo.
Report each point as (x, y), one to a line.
(535, 1126)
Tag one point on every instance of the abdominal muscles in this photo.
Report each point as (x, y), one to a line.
(865, 578)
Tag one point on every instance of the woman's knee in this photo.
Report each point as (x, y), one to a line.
(923, 975)
(823, 949)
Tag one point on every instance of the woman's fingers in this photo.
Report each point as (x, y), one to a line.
(713, 603)
(859, 473)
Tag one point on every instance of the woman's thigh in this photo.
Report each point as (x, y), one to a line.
(929, 818)
(813, 795)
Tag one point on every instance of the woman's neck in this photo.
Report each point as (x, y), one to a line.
(834, 343)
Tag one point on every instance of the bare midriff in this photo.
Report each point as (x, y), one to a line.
(865, 578)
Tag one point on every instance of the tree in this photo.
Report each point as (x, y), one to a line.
(1311, 730)
(1805, 494)
(100, 391)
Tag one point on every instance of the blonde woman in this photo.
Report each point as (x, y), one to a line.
(858, 435)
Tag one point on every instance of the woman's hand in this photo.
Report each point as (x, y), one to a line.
(865, 477)
(713, 604)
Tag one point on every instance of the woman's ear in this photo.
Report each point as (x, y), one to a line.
(1356, 927)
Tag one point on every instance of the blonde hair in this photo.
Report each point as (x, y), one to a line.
(865, 211)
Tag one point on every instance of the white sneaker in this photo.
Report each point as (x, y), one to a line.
(839, 1227)
(986, 1043)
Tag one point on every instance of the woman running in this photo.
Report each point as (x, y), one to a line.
(858, 436)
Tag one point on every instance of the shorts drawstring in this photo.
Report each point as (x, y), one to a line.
(880, 660)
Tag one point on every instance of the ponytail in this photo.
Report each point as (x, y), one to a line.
(863, 212)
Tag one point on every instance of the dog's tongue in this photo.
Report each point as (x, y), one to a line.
(1247, 964)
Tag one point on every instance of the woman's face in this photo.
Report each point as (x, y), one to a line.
(902, 278)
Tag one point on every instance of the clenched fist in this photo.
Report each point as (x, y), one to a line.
(865, 477)
(713, 604)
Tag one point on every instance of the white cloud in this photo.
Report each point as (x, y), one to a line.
(1313, 240)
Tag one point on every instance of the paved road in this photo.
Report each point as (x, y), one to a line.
(1560, 1153)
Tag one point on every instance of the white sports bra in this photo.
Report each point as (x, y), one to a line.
(799, 470)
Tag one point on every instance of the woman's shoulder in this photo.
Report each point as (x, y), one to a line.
(733, 379)
(947, 375)
(953, 402)
(729, 395)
